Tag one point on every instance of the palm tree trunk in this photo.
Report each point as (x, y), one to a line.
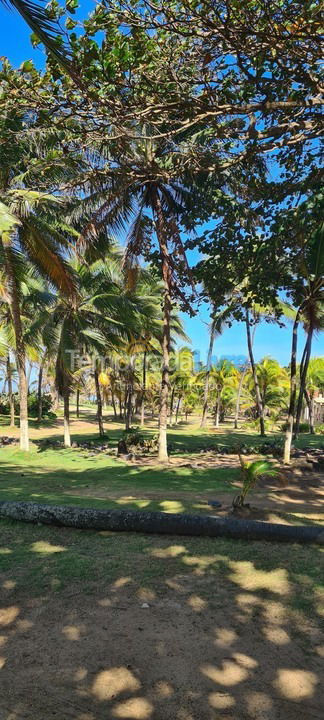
(303, 377)
(143, 390)
(39, 391)
(177, 409)
(217, 411)
(10, 393)
(206, 387)
(172, 404)
(55, 397)
(255, 375)
(67, 436)
(20, 348)
(238, 399)
(310, 405)
(167, 305)
(78, 403)
(293, 387)
(113, 402)
(99, 404)
(129, 394)
(120, 406)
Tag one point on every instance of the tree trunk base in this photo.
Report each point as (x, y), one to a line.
(160, 523)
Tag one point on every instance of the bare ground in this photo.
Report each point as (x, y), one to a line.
(199, 649)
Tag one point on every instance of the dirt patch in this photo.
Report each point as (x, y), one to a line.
(194, 649)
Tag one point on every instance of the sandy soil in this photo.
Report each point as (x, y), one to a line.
(234, 656)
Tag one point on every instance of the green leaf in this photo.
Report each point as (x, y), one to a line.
(27, 66)
(70, 24)
(7, 219)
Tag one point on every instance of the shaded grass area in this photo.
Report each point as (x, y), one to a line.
(39, 559)
(56, 476)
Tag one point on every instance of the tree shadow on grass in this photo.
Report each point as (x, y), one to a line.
(115, 480)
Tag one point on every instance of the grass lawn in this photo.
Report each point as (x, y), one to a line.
(100, 625)
(73, 476)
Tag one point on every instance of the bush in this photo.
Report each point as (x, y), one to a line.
(46, 407)
(32, 405)
(135, 440)
(303, 427)
(268, 447)
(4, 404)
(133, 437)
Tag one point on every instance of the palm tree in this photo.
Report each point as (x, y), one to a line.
(314, 384)
(310, 301)
(26, 227)
(240, 374)
(313, 321)
(92, 323)
(259, 404)
(219, 320)
(219, 376)
(147, 186)
(46, 29)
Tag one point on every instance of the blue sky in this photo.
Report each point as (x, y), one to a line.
(269, 339)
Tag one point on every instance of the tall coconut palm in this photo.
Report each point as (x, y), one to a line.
(313, 321)
(309, 278)
(98, 320)
(219, 320)
(26, 230)
(219, 376)
(147, 187)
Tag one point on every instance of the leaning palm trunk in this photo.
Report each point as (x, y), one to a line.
(303, 377)
(20, 348)
(206, 388)
(166, 275)
(99, 404)
(255, 375)
(10, 393)
(293, 387)
(310, 405)
(177, 409)
(217, 410)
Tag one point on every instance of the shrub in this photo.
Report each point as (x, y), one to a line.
(135, 440)
(47, 404)
(4, 404)
(303, 427)
(32, 405)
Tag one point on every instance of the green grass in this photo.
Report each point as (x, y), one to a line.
(62, 476)
(56, 475)
(38, 560)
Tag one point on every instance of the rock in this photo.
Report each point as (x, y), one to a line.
(215, 503)
(122, 448)
(145, 605)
